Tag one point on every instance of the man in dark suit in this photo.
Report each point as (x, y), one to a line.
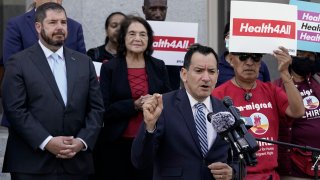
(170, 137)
(21, 34)
(54, 105)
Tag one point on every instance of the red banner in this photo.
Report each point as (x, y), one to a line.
(264, 28)
(167, 43)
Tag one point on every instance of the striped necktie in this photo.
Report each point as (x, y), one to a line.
(200, 120)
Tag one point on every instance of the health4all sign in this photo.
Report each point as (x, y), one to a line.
(167, 43)
(308, 25)
(264, 28)
(171, 40)
(260, 27)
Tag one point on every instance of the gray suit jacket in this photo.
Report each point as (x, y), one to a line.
(35, 109)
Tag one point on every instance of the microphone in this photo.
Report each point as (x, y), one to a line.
(244, 142)
(221, 121)
(227, 101)
(224, 124)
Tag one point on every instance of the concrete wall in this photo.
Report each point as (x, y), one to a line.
(94, 12)
(3, 142)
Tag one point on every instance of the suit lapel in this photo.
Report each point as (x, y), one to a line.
(43, 66)
(30, 18)
(183, 104)
(71, 66)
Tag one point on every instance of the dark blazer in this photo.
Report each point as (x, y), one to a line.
(174, 147)
(35, 110)
(21, 33)
(115, 87)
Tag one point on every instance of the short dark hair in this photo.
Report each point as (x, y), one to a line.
(124, 29)
(41, 12)
(106, 24)
(205, 50)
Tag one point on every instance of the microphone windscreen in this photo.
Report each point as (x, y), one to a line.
(221, 121)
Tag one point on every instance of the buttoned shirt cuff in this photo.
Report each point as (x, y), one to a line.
(152, 131)
(45, 142)
(85, 144)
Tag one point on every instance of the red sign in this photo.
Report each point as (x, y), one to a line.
(264, 28)
(167, 43)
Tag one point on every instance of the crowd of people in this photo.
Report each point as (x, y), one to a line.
(142, 119)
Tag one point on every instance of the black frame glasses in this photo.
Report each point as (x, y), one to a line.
(244, 56)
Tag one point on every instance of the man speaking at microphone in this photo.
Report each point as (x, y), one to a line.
(176, 138)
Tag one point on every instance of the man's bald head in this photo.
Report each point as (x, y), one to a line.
(155, 10)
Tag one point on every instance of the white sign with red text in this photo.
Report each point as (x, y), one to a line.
(260, 27)
(171, 40)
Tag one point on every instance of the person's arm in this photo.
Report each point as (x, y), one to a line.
(296, 108)
(81, 47)
(117, 107)
(90, 53)
(144, 143)
(93, 120)
(15, 106)
(12, 41)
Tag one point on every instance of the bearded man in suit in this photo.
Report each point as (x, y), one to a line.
(54, 105)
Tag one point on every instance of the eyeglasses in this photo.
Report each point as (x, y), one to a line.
(244, 56)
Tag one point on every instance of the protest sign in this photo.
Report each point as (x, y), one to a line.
(308, 25)
(259, 27)
(171, 40)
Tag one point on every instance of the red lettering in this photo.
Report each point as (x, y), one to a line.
(167, 43)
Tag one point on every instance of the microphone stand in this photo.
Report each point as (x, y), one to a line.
(235, 150)
(315, 152)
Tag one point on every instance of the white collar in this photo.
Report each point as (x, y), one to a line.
(206, 102)
(48, 52)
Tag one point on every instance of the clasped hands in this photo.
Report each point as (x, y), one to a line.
(64, 147)
(139, 102)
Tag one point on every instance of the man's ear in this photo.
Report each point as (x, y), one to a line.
(183, 74)
(143, 9)
(38, 27)
(231, 58)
